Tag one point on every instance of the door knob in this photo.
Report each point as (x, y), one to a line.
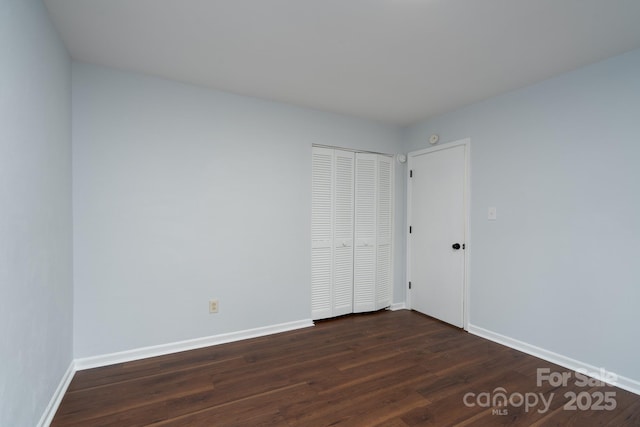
(456, 246)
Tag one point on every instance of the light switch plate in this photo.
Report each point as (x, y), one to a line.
(492, 214)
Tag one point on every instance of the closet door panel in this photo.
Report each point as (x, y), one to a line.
(384, 232)
(322, 265)
(343, 233)
(364, 286)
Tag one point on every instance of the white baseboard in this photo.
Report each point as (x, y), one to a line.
(398, 306)
(52, 407)
(162, 349)
(575, 365)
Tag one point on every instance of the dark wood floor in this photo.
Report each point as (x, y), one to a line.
(382, 369)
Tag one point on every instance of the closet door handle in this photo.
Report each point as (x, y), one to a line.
(456, 246)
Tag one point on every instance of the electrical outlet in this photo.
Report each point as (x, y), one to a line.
(213, 306)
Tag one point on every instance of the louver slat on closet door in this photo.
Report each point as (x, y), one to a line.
(322, 233)
(364, 286)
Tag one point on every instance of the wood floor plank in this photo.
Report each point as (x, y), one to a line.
(395, 369)
(243, 411)
(340, 394)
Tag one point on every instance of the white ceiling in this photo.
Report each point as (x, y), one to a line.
(397, 61)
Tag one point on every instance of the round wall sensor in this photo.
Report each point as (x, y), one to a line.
(401, 158)
(433, 139)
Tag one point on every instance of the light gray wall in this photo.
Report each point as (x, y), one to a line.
(182, 194)
(559, 160)
(36, 295)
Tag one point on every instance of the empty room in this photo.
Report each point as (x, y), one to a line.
(314, 213)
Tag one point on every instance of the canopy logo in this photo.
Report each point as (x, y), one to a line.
(499, 400)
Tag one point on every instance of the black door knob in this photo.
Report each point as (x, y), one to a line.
(456, 246)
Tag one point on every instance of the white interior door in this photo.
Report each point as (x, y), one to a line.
(437, 215)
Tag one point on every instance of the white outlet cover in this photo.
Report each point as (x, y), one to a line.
(213, 306)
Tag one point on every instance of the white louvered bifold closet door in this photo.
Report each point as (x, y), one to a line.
(364, 269)
(384, 235)
(322, 232)
(351, 232)
(343, 233)
(332, 233)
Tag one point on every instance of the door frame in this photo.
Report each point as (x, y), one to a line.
(466, 142)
